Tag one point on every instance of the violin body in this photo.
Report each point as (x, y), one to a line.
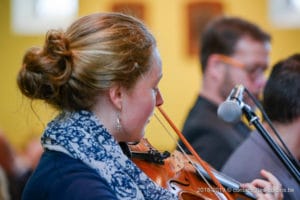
(177, 174)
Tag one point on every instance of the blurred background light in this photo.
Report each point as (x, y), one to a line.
(285, 14)
(34, 17)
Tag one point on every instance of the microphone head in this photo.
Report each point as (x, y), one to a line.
(230, 111)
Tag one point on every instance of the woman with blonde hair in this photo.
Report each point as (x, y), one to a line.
(102, 74)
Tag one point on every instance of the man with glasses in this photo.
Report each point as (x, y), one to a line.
(233, 51)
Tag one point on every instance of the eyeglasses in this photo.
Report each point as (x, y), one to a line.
(253, 72)
(230, 61)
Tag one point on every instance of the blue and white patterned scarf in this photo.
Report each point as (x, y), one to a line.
(81, 136)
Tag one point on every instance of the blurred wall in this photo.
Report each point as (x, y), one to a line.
(21, 119)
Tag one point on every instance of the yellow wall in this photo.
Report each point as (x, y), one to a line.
(167, 20)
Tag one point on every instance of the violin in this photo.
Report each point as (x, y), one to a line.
(178, 174)
(183, 174)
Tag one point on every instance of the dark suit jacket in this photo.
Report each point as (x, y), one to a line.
(212, 138)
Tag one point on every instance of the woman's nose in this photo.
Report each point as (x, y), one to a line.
(159, 99)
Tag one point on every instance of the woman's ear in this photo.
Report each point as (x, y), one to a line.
(116, 95)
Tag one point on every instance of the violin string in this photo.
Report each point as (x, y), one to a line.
(185, 154)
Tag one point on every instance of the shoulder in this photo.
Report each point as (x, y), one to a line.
(202, 107)
(59, 176)
(202, 118)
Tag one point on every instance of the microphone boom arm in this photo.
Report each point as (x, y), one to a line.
(253, 119)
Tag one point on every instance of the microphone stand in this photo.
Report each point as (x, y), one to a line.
(253, 119)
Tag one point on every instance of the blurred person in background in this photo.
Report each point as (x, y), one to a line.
(233, 51)
(4, 190)
(17, 171)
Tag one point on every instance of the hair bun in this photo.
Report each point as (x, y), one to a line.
(46, 71)
(57, 44)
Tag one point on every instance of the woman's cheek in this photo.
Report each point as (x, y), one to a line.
(153, 101)
(150, 105)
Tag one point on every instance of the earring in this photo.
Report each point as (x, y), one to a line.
(118, 123)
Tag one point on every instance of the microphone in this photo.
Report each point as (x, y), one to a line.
(230, 110)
